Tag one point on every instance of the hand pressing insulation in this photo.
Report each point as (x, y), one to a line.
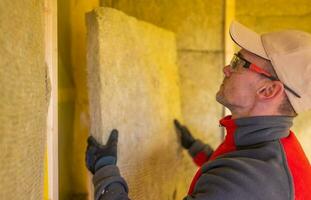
(184, 134)
(98, 156)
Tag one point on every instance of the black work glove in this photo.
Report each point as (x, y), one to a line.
(184, 134)
(98, 156)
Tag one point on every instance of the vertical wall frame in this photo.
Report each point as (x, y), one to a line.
(229, 46)
(50, 9)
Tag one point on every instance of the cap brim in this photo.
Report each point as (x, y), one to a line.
(247, 39)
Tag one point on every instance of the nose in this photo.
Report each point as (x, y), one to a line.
(227, 70)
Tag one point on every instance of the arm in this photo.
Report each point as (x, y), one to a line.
(101, 162)
(199, 151)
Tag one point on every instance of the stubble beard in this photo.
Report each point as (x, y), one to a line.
(221, 98)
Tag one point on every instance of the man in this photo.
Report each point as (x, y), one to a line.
(266, 85)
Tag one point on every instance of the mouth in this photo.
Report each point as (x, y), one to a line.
(221, 87)
(222, 84)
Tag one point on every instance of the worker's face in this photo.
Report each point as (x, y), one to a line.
(238, 89)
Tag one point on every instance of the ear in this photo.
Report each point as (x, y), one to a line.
(270, 90)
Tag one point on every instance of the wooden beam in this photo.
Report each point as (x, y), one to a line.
(229, 46)
(50, 8)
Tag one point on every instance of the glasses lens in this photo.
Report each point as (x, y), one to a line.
(234, 62)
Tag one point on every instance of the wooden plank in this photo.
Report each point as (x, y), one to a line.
(52, 124)
(229, 46)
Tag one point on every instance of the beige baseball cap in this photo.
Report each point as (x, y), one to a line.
(290, 54)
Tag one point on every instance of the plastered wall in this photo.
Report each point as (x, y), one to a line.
(294, 14)
(24, 96)
(134, 87)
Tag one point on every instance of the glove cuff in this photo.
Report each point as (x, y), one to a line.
(198, 146)
(105, 177)
(104, 161)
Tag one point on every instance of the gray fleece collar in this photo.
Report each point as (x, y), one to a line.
(254, 130)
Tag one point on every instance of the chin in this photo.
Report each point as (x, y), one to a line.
(220, 98)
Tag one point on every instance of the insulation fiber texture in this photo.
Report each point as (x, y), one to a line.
(134, 87)
(24, 94)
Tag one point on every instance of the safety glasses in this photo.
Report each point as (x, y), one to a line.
(238, 60)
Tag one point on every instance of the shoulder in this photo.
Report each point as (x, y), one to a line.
(254, 173)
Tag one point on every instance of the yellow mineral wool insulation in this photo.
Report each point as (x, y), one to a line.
(199, 28)
(196, 23)
(200, 80)
(134, 87)
(24, 95)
